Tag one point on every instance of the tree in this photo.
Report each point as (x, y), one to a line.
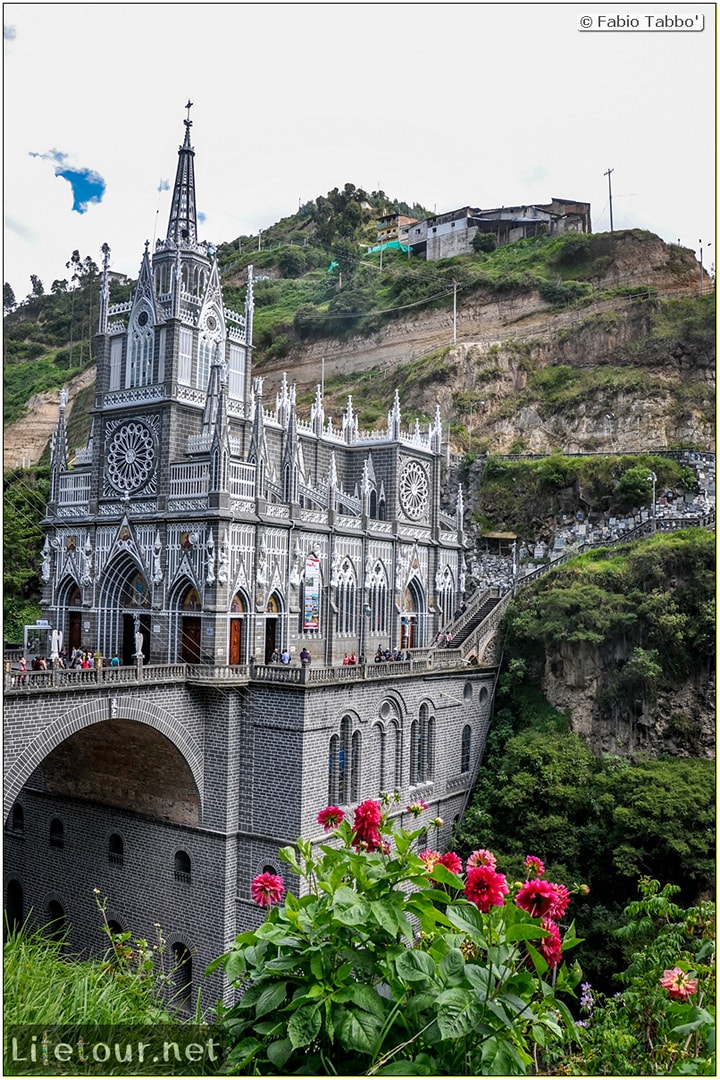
(484, 242)
(9, 302)
(38, 289)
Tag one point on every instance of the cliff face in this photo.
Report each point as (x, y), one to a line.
(680, 722)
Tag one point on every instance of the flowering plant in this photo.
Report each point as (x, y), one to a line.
(387, 961)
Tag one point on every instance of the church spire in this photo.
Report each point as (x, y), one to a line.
(182, 227)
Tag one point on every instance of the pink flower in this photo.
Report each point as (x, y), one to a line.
(452, 862)
(559, 905)
(330, 817)
(482, 857)
(267, 889)
(551, 946)
(417, 807)
(366, 834)
(535, 865)
(677, 984)
(536, 897)
(429, 857)
(485, 888)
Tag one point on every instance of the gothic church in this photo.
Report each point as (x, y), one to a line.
(202, 532)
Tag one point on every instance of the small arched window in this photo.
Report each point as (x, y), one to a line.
(116, 851)
(335, 764)
(465, 750)
(56, 920)
(183, 870)
(57, 833)
(18, 818)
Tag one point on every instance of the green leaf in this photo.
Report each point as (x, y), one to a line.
(287, 854)
(459, 1012)
(385, 915)
(364, 996)
(415, 966)
(317, 966)
(452, 966)
(501, 1058)
(244, 1052)
(349, 908)
(304, 1025)
(470, 920)
(357, 1029)
(444, 876)
(279, 1052)
(524, 932)
(235, 967)
(271, 997)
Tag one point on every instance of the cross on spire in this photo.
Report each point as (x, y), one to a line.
(188, 121)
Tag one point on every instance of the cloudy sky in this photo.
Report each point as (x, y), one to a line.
(443, 104)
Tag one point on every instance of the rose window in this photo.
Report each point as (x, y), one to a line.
(413, 490)
(130, 457)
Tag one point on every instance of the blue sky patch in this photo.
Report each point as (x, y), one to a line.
(87, 186)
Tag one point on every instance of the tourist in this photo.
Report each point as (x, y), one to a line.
(378, 655)
(22, 668)
(353, 659)
(115, 662)
(346, 660)
(284, 657)
(305, 656)
(275, 658)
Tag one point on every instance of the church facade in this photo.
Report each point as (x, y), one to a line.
(207, 524)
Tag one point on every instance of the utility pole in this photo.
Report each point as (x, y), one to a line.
(610, 195)
(702, 271)
(454, 312)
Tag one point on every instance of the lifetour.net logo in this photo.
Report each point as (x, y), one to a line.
(116, 1050)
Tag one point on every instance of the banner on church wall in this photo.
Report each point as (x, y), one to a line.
(311, 594)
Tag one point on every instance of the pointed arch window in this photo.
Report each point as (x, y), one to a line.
(344, 764)
(446, 594)
(346, 595)
(184, 369)
(140, 349)
(378, 599)
(236, 372)
(205, 349)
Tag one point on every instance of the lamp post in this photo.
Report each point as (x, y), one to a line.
(653, 477)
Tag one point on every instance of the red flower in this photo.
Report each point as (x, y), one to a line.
(551, 946)
(482, 857)
(330, 817)
(561, 901)
(677, 984)
(365, 826)
(429, 857)
(536, 896)
(536, 865)
(452, 861)
(485, 888)
(267, 889)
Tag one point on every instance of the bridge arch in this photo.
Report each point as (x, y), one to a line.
(91, 712)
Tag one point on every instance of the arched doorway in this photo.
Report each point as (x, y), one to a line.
(273, 610)
(412, 628)
(124, 606)
(190, 628)
(237, 645)
(73, 606)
